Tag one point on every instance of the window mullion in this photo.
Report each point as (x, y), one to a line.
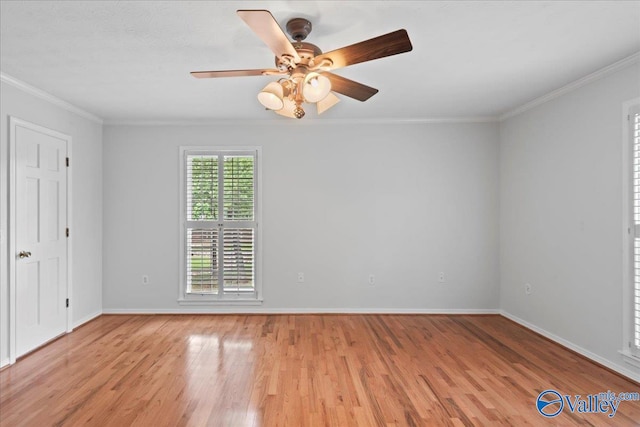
(238, 224)
(201, 224)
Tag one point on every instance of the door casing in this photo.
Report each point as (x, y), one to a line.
(14, 122)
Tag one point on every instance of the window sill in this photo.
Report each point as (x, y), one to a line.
(220, 302)
(630, 358)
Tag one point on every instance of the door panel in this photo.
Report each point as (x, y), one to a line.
(40, 221)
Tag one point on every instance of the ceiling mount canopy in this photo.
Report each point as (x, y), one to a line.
(298, 28)
(304, 71)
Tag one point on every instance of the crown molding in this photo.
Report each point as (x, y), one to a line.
(603, 72)
(288, 122)
(25, 87)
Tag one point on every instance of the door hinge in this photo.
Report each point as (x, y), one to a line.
(67, 231)
(67, 302)
(67, 162)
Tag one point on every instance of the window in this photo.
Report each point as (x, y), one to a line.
(631, 309)
(219, 230)
(634, 119)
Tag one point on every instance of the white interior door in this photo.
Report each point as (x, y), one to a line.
(40, 221)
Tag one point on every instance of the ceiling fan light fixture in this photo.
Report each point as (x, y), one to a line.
(327, 103)
(307, 73)
(298, 112)
(316, 87)
(271, 97)
(287, 110)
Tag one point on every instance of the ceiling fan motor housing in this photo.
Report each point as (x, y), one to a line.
(298, 28)
(306, 52)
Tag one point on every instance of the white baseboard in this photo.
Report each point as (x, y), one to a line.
(622, 370)
(257, 310)
(86, 319)
(5, 362)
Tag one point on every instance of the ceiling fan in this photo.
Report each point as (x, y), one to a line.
(304, 70)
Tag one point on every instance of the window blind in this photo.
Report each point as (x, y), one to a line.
(238, 264)
(220, 226)
(202, 187)
(238, 188)
(202, 262)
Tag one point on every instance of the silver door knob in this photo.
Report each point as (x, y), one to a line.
(24, 254)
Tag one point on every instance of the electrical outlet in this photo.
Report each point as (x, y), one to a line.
(372, 279)
(527, 288)
(300, 277)
(145, 279)
(441, 277)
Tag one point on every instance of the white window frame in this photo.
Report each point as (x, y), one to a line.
(630, 353)
(221, 299)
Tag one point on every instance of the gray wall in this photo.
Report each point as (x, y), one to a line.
(561, 215)
(86, 176)
(403, 201)
(534, 199)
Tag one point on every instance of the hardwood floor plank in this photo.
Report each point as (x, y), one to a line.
(301, 370)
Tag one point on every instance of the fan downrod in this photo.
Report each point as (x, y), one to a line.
(298, 28)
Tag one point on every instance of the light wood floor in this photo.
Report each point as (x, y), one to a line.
(297, 370)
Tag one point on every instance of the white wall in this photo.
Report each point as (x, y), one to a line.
(402, 201)
(561, 216)
(86, 175)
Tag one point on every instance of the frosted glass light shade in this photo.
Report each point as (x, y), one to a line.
(316, 87)
(287, 110)
(326, 103)
(271, 96)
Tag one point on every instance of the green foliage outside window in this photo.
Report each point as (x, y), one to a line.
(238, 188)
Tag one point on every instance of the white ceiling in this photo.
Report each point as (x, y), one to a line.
(130, 60)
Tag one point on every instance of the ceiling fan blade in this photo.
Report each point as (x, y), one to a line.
(350, 88)
(368, 50)
(266, 27)
(233, 73)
